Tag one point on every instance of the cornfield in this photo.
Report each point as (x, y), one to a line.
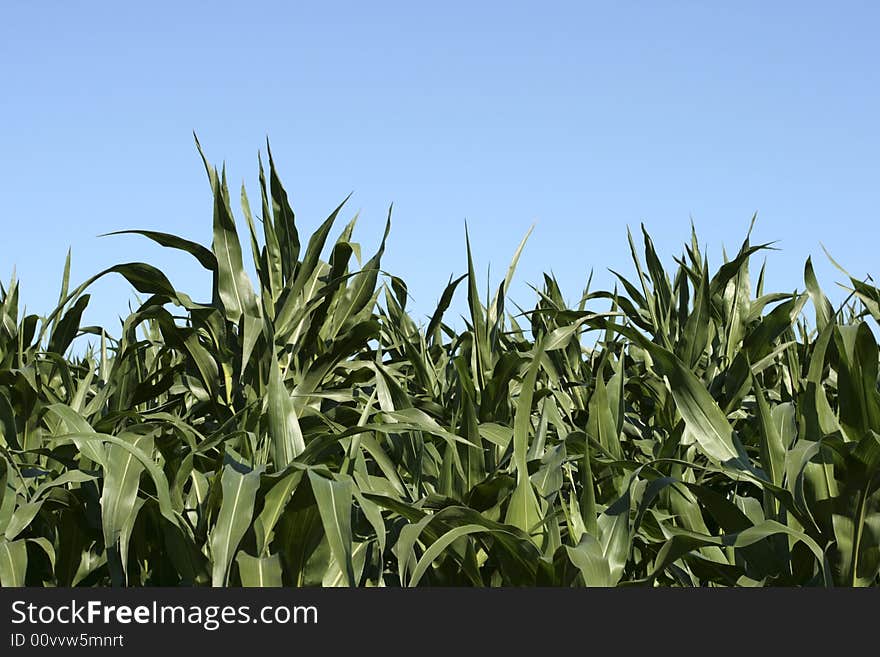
(686, 428)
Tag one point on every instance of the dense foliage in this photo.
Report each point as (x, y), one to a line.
(685, 429)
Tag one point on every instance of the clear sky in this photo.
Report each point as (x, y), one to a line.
(580, 117)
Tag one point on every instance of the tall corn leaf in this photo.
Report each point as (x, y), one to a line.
(334, 504)
(234, 518)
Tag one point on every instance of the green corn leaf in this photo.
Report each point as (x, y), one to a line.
(284, 430)
(274, 504)
(437, 548)
(236, 511)
(587, 556)
(122, 472)
(523, 511)
(334, 504)
(285, 221)
(701, 413)
(204, 255)
(13, 563)
(824, 311)
(262, 572)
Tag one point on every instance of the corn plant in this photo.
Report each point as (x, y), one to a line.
(686, 428)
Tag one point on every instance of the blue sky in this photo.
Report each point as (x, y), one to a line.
(580, 117)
